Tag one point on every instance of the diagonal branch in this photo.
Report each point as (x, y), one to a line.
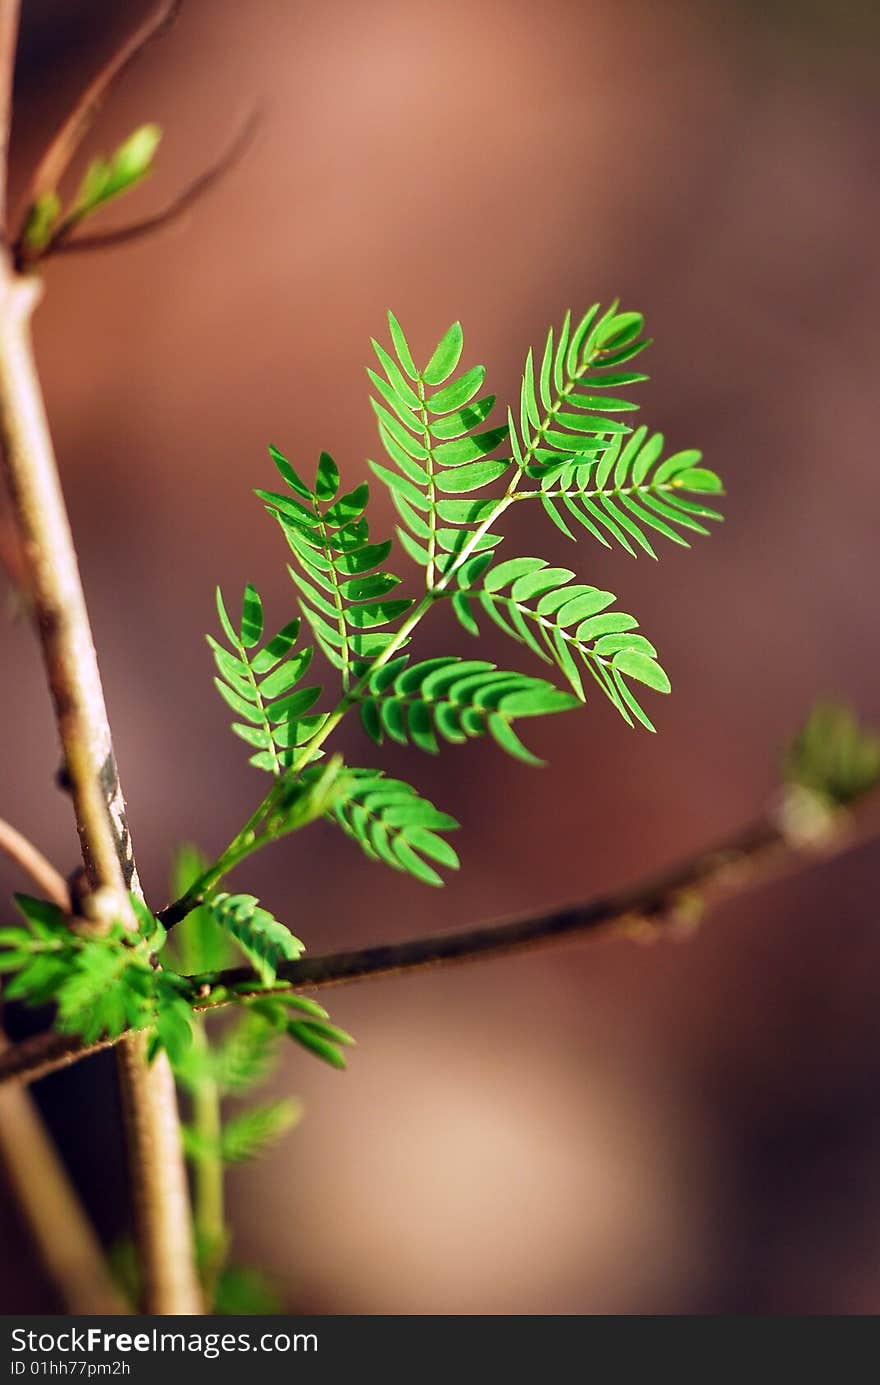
(67, 243)
(149, 1099)
(667, 902)
(32, 861)
(9, 15)
(67, 139)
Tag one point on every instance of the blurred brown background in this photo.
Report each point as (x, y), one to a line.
(684, 1128)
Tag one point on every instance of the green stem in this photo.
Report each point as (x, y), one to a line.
(432, 487)
(337, 604)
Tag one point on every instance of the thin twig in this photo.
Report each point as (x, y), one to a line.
(9, 15)
(32, 861)
(67, 139)
(65, 242)
(643, 911)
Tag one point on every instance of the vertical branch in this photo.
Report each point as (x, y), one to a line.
(68, 651)
(149, 1099)
(159, 1187)
(157, 1168)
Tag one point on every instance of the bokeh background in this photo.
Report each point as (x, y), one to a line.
(604, 1128)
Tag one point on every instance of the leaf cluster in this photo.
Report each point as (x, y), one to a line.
(100, 984)
(453, 473)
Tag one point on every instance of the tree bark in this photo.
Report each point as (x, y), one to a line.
(156, 1160)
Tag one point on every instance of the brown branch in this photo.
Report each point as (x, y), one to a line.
(67, 139)
(45, 1197)
(668, 901)
(59, 606)
(65, 242)
(44, 875)
(156, 1158)
(9, 15)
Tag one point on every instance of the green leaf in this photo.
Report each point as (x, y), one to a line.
(458, 392)
(251, 1133)
(401, 347)
(456, 699)
(566, 621)
(454, 425)
(173, 1029)
(309, 1037)
(264, 941)
(472, 476)
(251, 617)
(256, 683)
(287, 473)
(245, 1056)
(42, 219)
(446, 356)
(833, 755)
(699, 479)
(469, 449)
(635, 664)
(327, 479)
(391, 822)
(106, 179)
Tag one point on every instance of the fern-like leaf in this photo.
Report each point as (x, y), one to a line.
(104, 992)
(631, 490)
(436, 436)
(304, 1021)
(321, 1039)
(100, 985)
(560, 419)
(260, 685)
(564, 622)
(250, 1133)
(245, 1056)
(456, 699)
(264, 941)
(345, 591)
(392, 823)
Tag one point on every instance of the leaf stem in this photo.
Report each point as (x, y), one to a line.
(432, 485)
